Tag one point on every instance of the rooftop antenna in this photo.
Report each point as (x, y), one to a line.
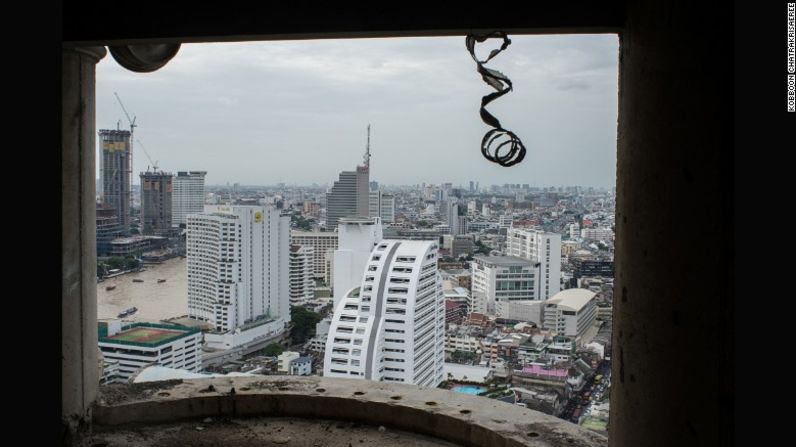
(367, 150)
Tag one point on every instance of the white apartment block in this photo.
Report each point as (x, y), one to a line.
(597, 234)
(323, 243)
(574, 231)
(135, 346)
(472, 207)
(238, 267)
(506, 221)
(462, 338)
(540, 247)
(302, 282)
(503, 278)
(391, 326)
(451, 216)
(357, 236)
(187, 196)
(382, 205)
(571, 313)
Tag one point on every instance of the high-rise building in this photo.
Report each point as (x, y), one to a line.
(238, 272)
(451, 215)
(357, 236)
(348, 197)
(323, 243)
(156, 202)
(463, 225)
(382, 205)
(391, 325)
(302, 284)
(503, 278)
(543, 248)
(188, 195)
(116, 173)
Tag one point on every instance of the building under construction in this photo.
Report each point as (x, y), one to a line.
(116, 173)
(156, 202)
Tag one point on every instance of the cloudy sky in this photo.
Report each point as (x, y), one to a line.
(260, 113)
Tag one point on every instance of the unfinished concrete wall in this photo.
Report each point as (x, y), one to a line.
(79, 352)
(672, 302)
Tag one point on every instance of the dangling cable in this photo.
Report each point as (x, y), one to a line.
(498, 139)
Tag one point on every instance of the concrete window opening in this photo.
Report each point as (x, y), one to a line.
(672, 132)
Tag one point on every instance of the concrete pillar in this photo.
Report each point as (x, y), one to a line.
(672, 339)
(79, 351)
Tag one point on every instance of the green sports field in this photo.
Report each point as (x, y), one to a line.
(145, 335)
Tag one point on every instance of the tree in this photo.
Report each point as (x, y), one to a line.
(131, 263)
(274, 349)
(116, 262)
(102, 269)
(303, 322)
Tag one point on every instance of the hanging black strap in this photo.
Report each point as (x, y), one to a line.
(498, 145)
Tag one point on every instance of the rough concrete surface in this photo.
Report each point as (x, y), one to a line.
(289, 432)
(441, 414)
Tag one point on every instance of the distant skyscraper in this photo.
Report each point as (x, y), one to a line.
(451, 215)
(390, 326)
(156, 202)
(349, 195)
(383, 206)
(541, 247)
(188, 195)
(238, 269)
(116, 173)
(472, 186)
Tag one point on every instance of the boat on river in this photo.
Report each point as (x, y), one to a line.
(128, 312)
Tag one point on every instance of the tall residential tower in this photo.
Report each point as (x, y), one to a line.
(116, 173)
(238, 269)
(188, 195)
(543, 248)
(156, 193)
(391, 326)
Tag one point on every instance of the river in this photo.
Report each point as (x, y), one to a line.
(155, 301)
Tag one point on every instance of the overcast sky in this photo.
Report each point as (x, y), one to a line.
(261, 113)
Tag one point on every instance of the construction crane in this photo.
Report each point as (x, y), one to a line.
(154, 163)
(133, 125)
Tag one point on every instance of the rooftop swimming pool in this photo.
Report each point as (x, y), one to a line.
(469, 389)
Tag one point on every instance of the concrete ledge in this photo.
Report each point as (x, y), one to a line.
(446, 415)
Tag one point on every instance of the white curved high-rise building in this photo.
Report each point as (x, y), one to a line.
(391, 327)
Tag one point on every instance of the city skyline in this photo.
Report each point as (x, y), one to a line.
(296, 112)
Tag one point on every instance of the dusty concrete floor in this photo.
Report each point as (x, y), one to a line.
(261, 432)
